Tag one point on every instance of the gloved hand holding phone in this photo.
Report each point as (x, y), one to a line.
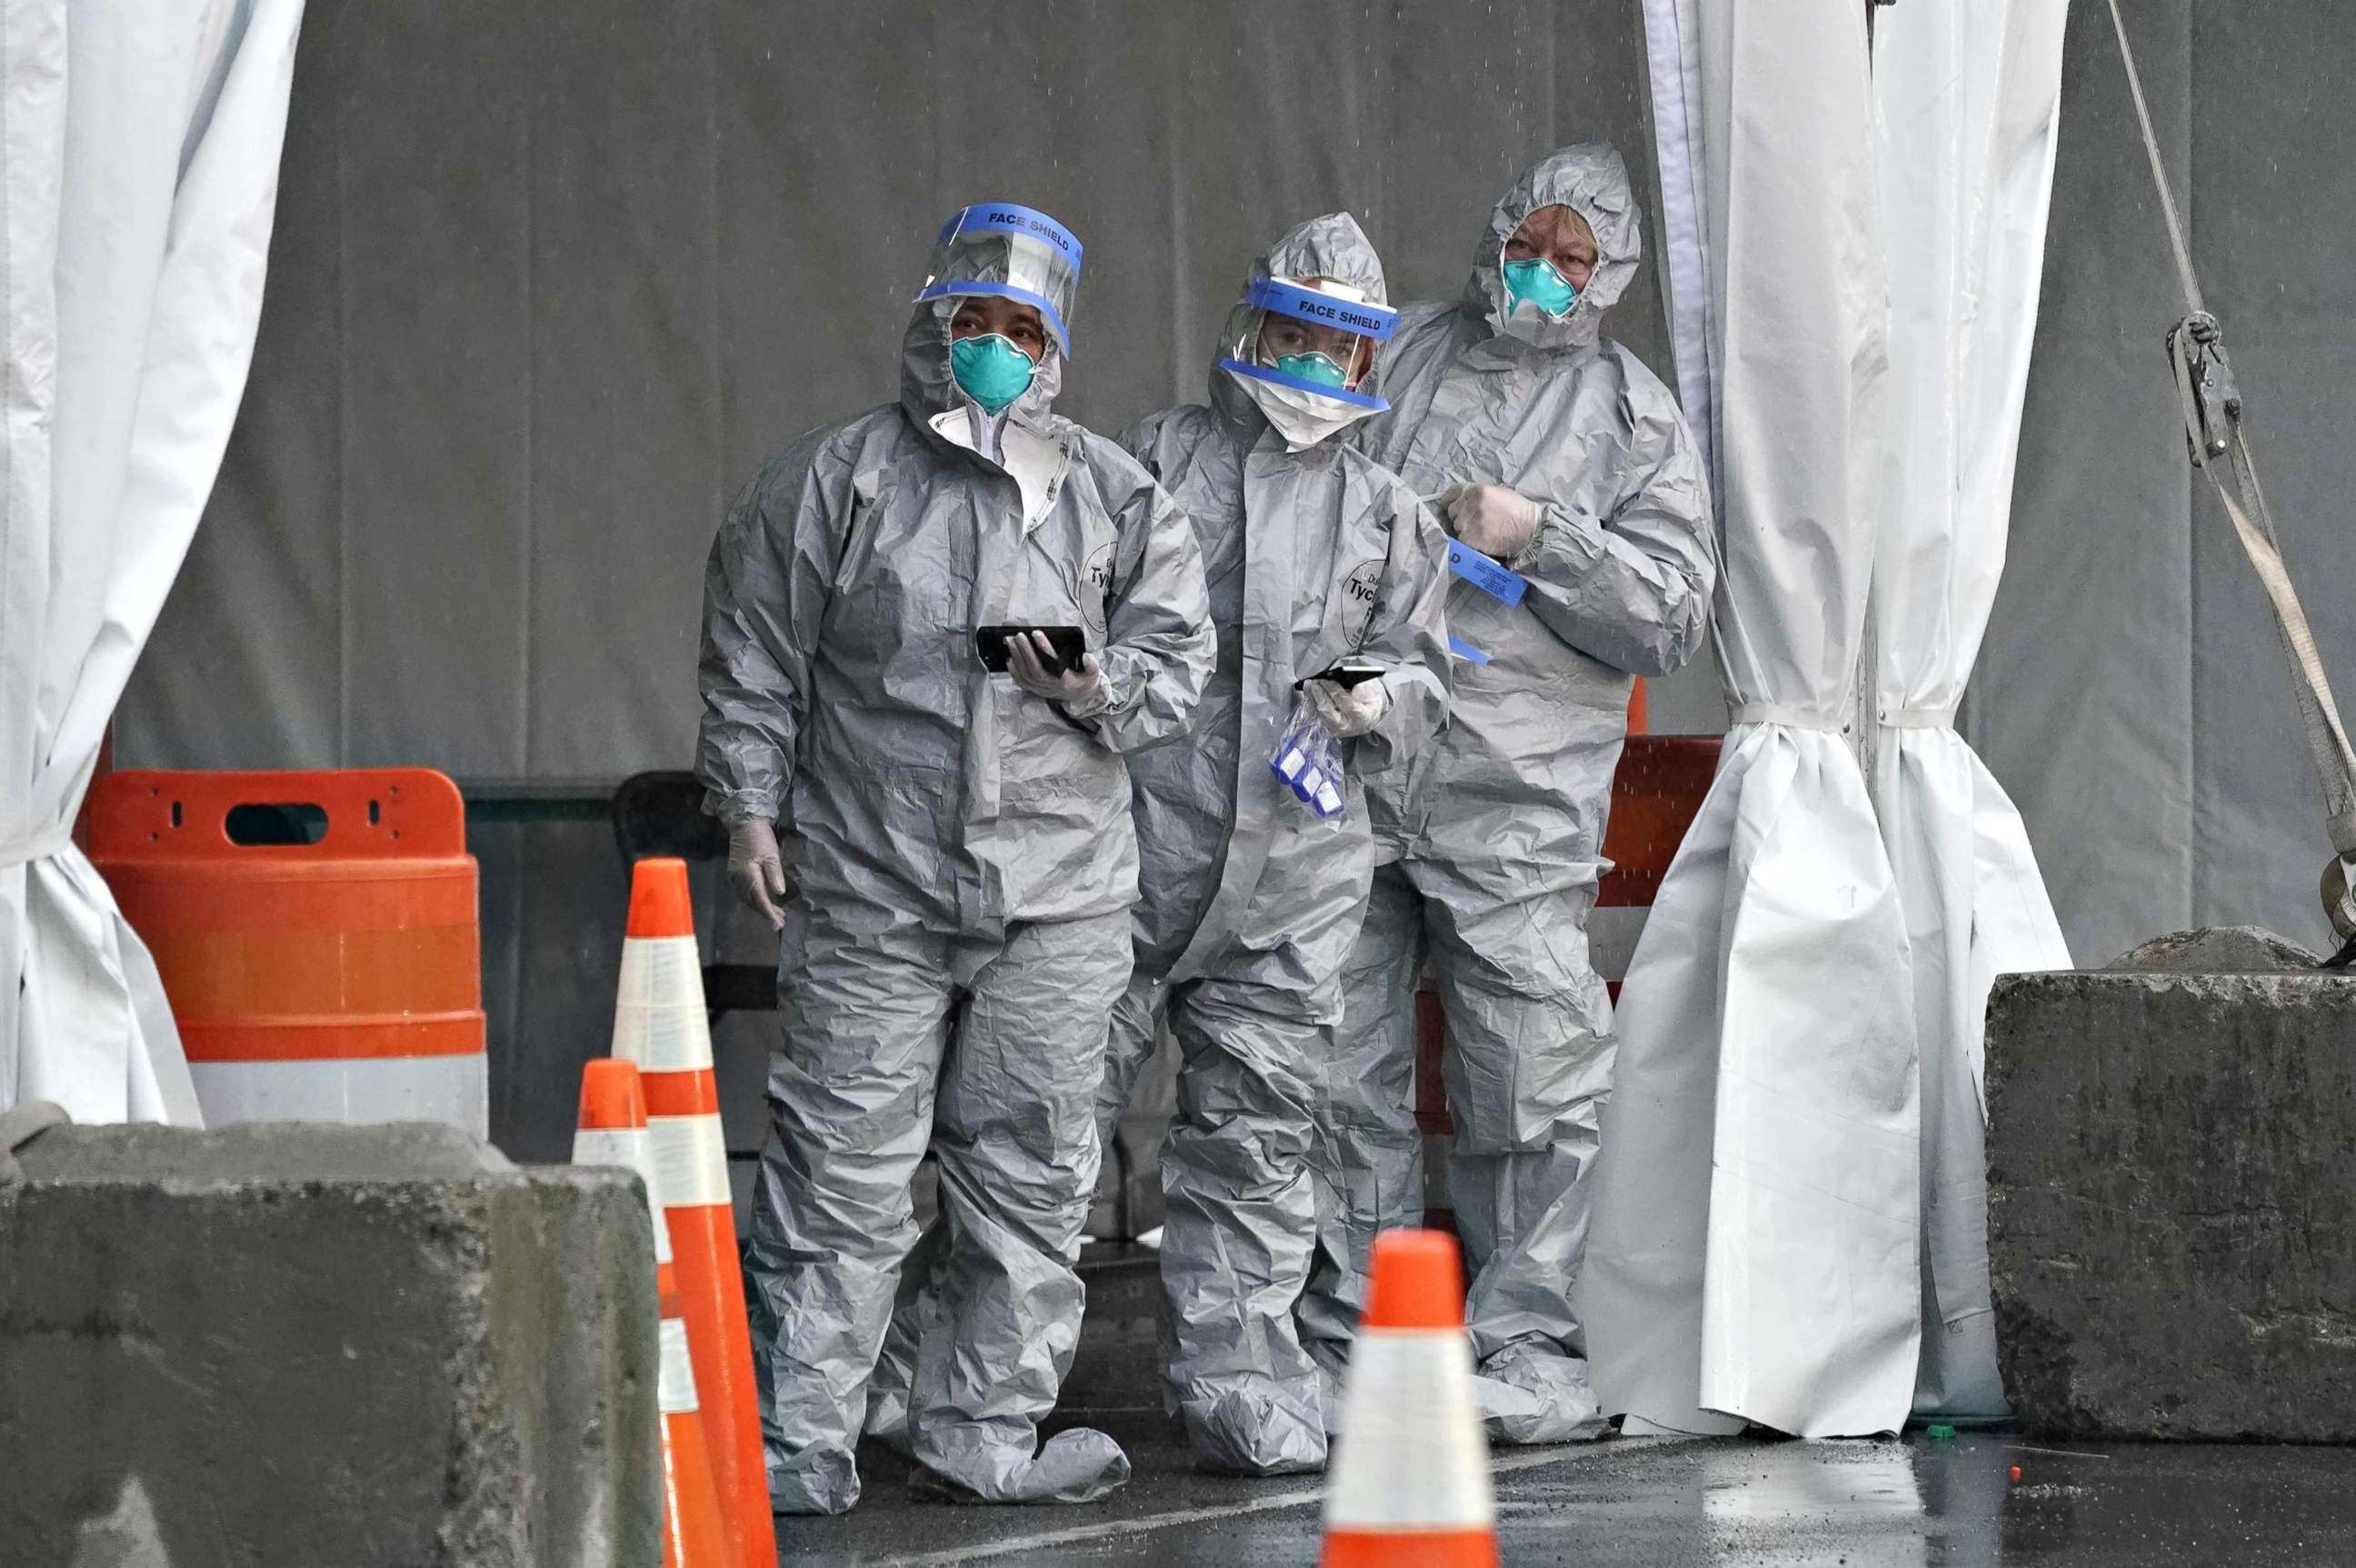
(1031, 659)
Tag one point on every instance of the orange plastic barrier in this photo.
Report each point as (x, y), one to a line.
(338, 979)
(1657, 792)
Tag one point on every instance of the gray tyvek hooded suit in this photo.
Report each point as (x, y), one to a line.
(1248, 902)
(1495, 837)
(962, 929)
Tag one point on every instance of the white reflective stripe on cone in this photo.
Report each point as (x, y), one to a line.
(632, 1148)
(663, 1036)
(610, 1146)
(675, 1385)
(658, 1017)
(1411, 1453)
(691, 1160)
(355, 1091)
(657, 969)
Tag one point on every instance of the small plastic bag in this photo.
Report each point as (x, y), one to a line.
(1297, 752)
(1308, 761)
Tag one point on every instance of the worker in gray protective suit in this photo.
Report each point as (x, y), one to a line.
(1249, 899)
(954, 925)
(1552, 450)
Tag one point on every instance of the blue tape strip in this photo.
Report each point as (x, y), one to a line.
(1003, 291)
(1497, 581)
(1006, 218)
(1277, 378)
(1463, 649)
(1376, 321)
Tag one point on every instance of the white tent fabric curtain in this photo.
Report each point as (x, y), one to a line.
(139, 147)
(1754, 1254)
(1970, 100)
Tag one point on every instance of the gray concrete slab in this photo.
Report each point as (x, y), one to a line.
(286, 1347)
(2172, 1199)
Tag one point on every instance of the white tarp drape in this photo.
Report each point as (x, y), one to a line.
(1970, 100)
(139, 148)
(1755, 1247)
(1792, 1226)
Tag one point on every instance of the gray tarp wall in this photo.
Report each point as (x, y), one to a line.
(548, 280)
(2131, 694)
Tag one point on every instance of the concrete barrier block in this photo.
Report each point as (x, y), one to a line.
(285, 1344)
(2172, 1196)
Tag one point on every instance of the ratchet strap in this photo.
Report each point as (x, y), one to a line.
(2210, 403)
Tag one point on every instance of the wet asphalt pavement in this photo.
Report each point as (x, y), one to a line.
(1651, 1501)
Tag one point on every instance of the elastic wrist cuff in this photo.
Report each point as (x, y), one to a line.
(1097, 702)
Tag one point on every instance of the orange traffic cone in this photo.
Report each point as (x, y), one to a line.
(1408, 1487)
(612, 1131)
(660, 1024)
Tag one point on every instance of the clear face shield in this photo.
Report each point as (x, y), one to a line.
(1304, 350)
(1012, 252)
(1311, 336)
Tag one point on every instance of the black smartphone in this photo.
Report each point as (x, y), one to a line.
(1346, 675)
(1069, 641)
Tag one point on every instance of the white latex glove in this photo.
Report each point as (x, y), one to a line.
(1496, 521)
(1352, 711)
(757, 869)
(1080, 691)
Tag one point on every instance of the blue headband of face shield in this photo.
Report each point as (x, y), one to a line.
(1045, 249)
(1362, 317)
